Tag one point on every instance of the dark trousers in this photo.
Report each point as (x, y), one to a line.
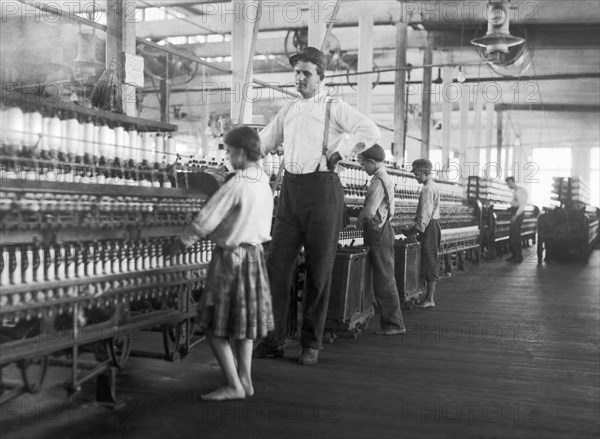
(381, 258)
(309, 213)
(515, 239)
(430, 251)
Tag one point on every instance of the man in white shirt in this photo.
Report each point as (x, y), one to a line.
(313, 133)
(517, 214)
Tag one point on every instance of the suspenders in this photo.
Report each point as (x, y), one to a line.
(323, 159)
(387, 195)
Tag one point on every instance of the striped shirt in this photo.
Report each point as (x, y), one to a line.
(239, 212)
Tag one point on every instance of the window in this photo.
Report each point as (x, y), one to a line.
(549, 163)
(196, 39)
(154, 14)
(177, 40)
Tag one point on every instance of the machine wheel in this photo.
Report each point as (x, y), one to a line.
(119, 350)
(33, 372)
(172, 340)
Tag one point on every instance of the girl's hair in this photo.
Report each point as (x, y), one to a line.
(246, 138)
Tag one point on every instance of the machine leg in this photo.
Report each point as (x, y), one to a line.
(447, 265)
(106, 388)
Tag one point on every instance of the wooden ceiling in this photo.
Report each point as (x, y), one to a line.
(556, 100)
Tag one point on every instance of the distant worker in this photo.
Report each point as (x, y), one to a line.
(517, 213)
(379, 235)
(428, 226)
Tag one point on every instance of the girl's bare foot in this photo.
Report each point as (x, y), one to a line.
(247, 385)
(225, 393)
(390, 332)
(426, 304)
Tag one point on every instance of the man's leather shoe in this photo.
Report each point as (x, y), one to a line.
(265, 351)
(309, 356)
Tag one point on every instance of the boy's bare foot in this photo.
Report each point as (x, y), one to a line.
(426, 304)
(390, 332)
(247, 385)
(224, 393)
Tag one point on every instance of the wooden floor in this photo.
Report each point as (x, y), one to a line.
(511, 351)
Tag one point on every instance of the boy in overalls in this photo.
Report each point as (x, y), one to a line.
(379, 235)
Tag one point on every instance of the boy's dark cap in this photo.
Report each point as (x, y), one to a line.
(422, 164)
(376, 152)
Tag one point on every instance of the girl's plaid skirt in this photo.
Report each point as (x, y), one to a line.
(236, 302)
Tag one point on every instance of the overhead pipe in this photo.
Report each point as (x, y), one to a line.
(282, 88)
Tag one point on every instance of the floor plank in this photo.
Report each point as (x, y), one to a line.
(510, 351)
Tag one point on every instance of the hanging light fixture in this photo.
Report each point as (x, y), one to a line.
(498, 39)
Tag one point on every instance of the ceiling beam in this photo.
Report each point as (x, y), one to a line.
(539, 37)
(78, 6)
(570, 108)
(283, 15)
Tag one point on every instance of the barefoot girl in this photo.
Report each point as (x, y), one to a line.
(235, 307)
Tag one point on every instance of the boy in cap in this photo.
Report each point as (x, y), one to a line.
(427, 224)
(379, 235)
(311, 201)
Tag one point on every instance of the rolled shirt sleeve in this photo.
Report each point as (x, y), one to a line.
(271, 136)
(212, 214)
(362, 131)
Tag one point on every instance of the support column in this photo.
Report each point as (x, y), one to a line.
(426, 98)
(318, 11)
(205, 115)
(490, 157)
(241, 42)
(365, 60)
(473, 153)
(400, 90)
(499, 141)
(464, 128)
(120, 39)
(526, 153)
(446, 111)
(508, 151)
(165, 93)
